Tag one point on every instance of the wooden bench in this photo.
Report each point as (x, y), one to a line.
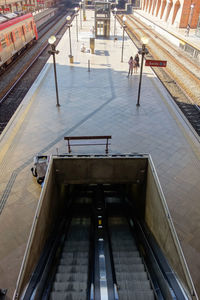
(88, 141)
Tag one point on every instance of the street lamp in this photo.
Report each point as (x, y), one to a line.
(53, 51)
(76, 14)
(69, 25)
(115, 10)
(191, 14)
(142, 51)
(80, 15)
(124, 26)
(84, 16)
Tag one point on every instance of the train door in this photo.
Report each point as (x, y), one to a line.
(23, 34)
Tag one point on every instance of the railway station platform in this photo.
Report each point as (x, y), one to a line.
(96, 101)
(180, 33)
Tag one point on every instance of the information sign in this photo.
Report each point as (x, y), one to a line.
(155, 63)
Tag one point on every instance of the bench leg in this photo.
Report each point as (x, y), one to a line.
(107, 147)
(69, 149)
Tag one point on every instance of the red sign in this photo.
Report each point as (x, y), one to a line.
(155, 63)
(5, 9)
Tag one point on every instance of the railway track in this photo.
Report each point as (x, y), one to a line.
(181, 77)
(18, 80)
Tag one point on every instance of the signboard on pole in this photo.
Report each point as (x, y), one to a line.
(155, 63)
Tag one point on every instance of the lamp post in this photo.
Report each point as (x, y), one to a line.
(191, 14)
(115, 10)
(69, 25)
(142, 51)
(124, 26)
(53, 51)
(84, 15)
(76, 14)
(80, 15)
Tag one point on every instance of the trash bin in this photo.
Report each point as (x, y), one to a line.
(92, 45)
(71, 59)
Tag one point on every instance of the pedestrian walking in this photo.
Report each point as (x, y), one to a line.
(131, 65)
(187, 30)
(137, 63)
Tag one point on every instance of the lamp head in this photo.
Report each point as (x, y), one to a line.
(52, 40)
(80, 3)
(115, 9)
(76, 9)
(68, 18)
(124, 19)
(144, 40)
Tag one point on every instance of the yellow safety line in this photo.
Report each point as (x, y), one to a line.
(15, 130)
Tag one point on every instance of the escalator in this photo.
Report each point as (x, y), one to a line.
(71, 276)
(97, 256)
(132, 278)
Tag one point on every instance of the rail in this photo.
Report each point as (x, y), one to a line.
(87, 141)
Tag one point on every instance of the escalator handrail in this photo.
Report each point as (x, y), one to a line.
(168, 273)
(41, 288)
(47, 252)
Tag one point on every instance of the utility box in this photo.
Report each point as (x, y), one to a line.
(71, 59)
(92, 45)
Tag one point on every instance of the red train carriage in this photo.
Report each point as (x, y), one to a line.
(15, 34)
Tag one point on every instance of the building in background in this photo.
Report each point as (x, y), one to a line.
(177, 13)
(24, 5)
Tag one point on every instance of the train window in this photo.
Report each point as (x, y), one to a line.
(3, 42)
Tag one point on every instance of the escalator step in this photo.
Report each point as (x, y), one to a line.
(131, 253)
(131, 269)
(136, 295)
(73, 254)
(127, 260)
(70, 286)
(126, 276)
(65, 277)
(71, 269)
(134, 285)
(74, 261)
(125, 243)
(67, 296)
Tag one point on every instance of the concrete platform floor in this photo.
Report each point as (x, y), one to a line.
(99, 102)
